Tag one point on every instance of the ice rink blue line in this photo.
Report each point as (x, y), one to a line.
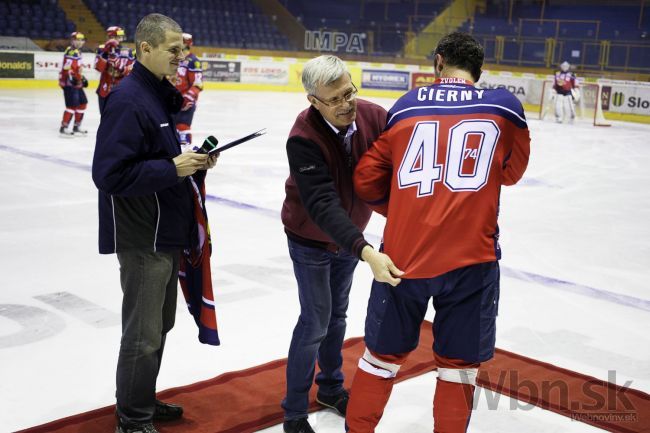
(567, 286)
(88, 168)
(241, 205)
(43, 157)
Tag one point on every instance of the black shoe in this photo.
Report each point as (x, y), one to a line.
(135, 428)
(300, 425)
(167, 411)
(337, 402)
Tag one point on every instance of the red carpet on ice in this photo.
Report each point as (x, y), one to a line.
(249, 400)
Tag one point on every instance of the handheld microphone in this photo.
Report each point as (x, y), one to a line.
(209, 145)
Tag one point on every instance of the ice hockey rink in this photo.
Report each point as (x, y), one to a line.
(575, 268)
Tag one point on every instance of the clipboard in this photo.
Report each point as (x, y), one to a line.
(210, 143)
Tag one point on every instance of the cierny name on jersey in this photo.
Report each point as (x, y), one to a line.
(441, 94)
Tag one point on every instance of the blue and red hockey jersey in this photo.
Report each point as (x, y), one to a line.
(436, 173)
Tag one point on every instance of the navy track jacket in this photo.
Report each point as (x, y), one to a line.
(143, 204)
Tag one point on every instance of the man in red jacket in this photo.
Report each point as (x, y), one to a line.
(436, 173)
(324, 221)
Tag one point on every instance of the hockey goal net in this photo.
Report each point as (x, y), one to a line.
(588, 108)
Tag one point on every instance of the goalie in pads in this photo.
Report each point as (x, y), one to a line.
(566, 93)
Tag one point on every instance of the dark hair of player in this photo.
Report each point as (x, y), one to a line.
(461, 51)
(152, 29)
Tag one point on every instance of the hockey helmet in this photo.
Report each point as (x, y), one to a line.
(187, 40)
(116, 32)
(77, 36)
(77, 39)
(564, 66)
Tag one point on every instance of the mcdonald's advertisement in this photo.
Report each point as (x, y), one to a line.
(16, 65)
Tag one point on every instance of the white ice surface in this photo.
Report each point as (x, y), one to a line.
(575, 240)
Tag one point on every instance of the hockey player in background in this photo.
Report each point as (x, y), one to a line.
(72, 81)
(189, 81)
(113, 61)
(566, 95)
(436, 173)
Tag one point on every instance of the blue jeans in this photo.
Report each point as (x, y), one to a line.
(149, 283)
(324, 279)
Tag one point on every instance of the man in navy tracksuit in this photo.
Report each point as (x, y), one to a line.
(145, 214)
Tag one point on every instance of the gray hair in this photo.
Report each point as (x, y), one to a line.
(152, 29)
(322, 70)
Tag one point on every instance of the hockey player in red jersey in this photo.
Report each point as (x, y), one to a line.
(72, 81)
(113, 61)
(189, 81)
(436, 173)
(565, 86)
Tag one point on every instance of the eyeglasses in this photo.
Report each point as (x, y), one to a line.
(348, 97)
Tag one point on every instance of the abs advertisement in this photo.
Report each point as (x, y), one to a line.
(47, 65)
(384, 80)
(421, 79)
(16, 65)
(626, 99)
(265, 73)
(221, 70)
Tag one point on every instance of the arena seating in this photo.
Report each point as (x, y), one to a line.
(388, 22)
(36, 19)
(223, 23)
(617, 23)
(580, 29)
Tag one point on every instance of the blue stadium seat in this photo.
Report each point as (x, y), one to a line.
(34, 18)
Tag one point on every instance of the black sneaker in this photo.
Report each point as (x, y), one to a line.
(135, 428)
(337, 402)
(167, 411)
(300, 425)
